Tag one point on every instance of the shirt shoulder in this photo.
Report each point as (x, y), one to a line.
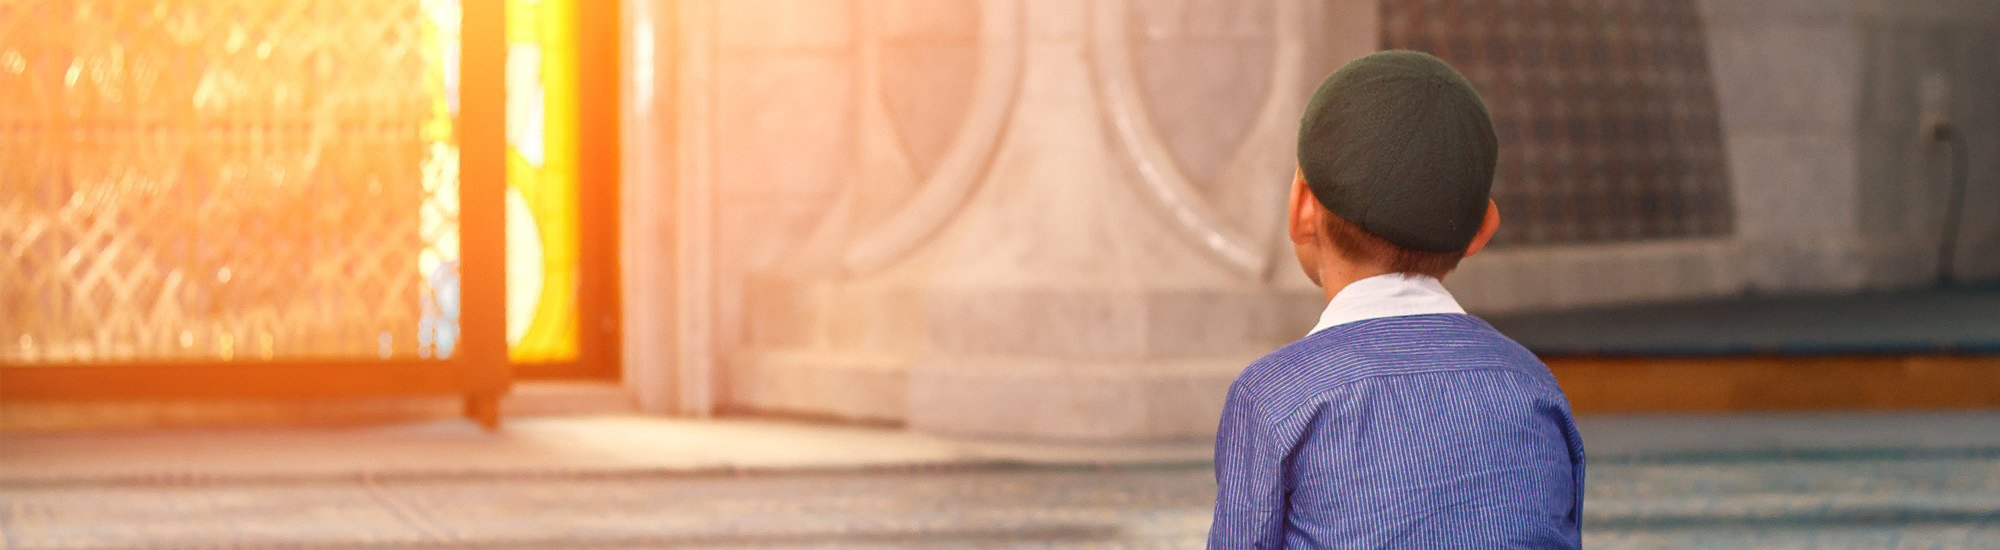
(1337, 357)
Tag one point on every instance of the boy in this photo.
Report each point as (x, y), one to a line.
(1399, 421)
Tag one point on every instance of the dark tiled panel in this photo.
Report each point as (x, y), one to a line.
(1605, 110)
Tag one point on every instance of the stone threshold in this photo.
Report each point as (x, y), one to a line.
(525, 399)
(566, 446)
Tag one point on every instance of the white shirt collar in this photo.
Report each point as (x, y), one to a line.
(1390, 295)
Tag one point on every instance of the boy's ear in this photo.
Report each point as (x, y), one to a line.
(1302, 213)
(1487, 228)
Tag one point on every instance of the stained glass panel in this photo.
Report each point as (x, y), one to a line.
(543, 240)
(227, 179)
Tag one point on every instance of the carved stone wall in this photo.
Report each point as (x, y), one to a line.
(1061, 218)
(1822, 103)
(1051, 211)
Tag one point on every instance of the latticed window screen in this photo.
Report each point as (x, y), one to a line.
(1605, 110)
(227, 179)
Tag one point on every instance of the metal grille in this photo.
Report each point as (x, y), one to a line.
(1605, 110)
(217, 180)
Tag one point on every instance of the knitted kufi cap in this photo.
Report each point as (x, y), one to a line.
(1401, 145)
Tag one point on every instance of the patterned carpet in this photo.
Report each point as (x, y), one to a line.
(1940, 498)
(1881, 498)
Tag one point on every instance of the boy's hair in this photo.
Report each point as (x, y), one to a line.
(1358, 245)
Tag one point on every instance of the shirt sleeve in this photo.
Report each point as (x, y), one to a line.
(1252, 454)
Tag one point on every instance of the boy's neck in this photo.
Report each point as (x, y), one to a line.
(1334, 276)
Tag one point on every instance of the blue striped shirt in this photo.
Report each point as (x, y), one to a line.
(1417, 431)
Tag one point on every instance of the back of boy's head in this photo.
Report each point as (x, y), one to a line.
(1398, 146)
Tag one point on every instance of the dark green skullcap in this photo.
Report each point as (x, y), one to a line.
(1400, 144)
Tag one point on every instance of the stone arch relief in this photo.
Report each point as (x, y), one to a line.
(937, 86)
(1209, 157)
